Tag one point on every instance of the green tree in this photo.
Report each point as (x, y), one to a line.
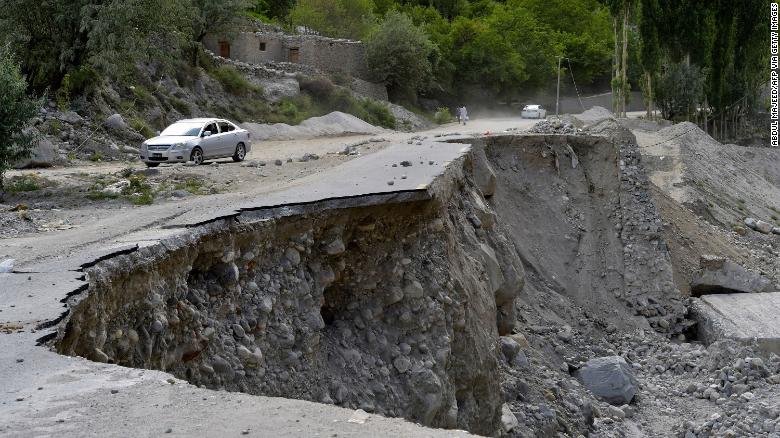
(16, 110)
(46, 37)
(650, 52)
(125, 32)
(401, 56)
(679, 90)
(352, 19)
(273, 9)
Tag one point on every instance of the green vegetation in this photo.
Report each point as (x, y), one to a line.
(141, 127)
(28, 182)
(442, 116)
(401, 56)
(139, 192)
(181, 106)
(321, 97)
(339, 18)
(193, 185)
(16, 110)
(233, 81)
(702, 61)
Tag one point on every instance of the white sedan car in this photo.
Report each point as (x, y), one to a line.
(533, 112)
(196, 140)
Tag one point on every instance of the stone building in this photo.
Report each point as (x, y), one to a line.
(272, 46)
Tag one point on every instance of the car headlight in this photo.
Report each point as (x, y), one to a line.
(177, 147)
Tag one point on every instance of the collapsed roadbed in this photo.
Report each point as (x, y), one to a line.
(457, 284)
(392, 301)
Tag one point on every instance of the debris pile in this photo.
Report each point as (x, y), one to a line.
(554, 126)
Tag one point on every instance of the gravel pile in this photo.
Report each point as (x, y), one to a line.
(594, 114)
(335, 123)
(554, 126)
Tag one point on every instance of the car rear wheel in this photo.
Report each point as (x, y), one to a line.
(240, 153)
(152, 164)
(197, 156)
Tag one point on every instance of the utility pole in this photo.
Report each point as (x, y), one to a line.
(558, 89)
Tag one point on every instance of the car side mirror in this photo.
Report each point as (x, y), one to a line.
(206, 133)
(157, 133)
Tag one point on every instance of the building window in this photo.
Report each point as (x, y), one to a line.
(262, 46)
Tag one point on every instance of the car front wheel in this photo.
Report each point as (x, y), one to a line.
(240, 153)
(197, 156)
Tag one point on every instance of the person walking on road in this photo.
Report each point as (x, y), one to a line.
(464, 114)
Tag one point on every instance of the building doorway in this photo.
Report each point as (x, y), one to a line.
(224, 49)
(294, 55)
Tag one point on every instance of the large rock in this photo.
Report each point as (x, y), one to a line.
(720, 275)
(610, 379)
(44, 154)
(484, 175)
(116, 122)
(759, 225)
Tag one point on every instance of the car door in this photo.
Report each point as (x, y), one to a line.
(227, 137)
(211, 144)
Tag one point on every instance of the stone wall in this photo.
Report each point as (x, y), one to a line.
(326, 54)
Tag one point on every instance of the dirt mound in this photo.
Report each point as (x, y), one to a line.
(593, 115)
(335, 123)
(705, 190)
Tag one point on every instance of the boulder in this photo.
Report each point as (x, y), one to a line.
(759, 225)
(116, 122)
(720, 275)
(484, 175)
(44, 154)
(610, 379)
(508, 419)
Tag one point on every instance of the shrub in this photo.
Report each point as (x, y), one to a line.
(18, 108)
(76, 82)
(143, 96)
(96, 156)
(442, 116)
(26, 183)
(233, 81)
(379, 114)
(180, 106)
(141, 127)
(139, 192)
(319, 87)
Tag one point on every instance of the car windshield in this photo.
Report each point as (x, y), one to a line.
(532, 107)
(188, 129)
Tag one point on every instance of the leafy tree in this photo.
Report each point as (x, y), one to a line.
(46, 36)
(650, 51)
(352, 19)
(401, 56)
(124, 32)
(273, 9)
(679, 90)
(220, 16)
(16, 110)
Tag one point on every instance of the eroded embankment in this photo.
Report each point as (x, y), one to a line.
(399, 308)
(579, 211)
(391, 308)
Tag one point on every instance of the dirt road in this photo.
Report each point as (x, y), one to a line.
(71, 209)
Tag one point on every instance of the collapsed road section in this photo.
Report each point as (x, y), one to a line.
(391, 300)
